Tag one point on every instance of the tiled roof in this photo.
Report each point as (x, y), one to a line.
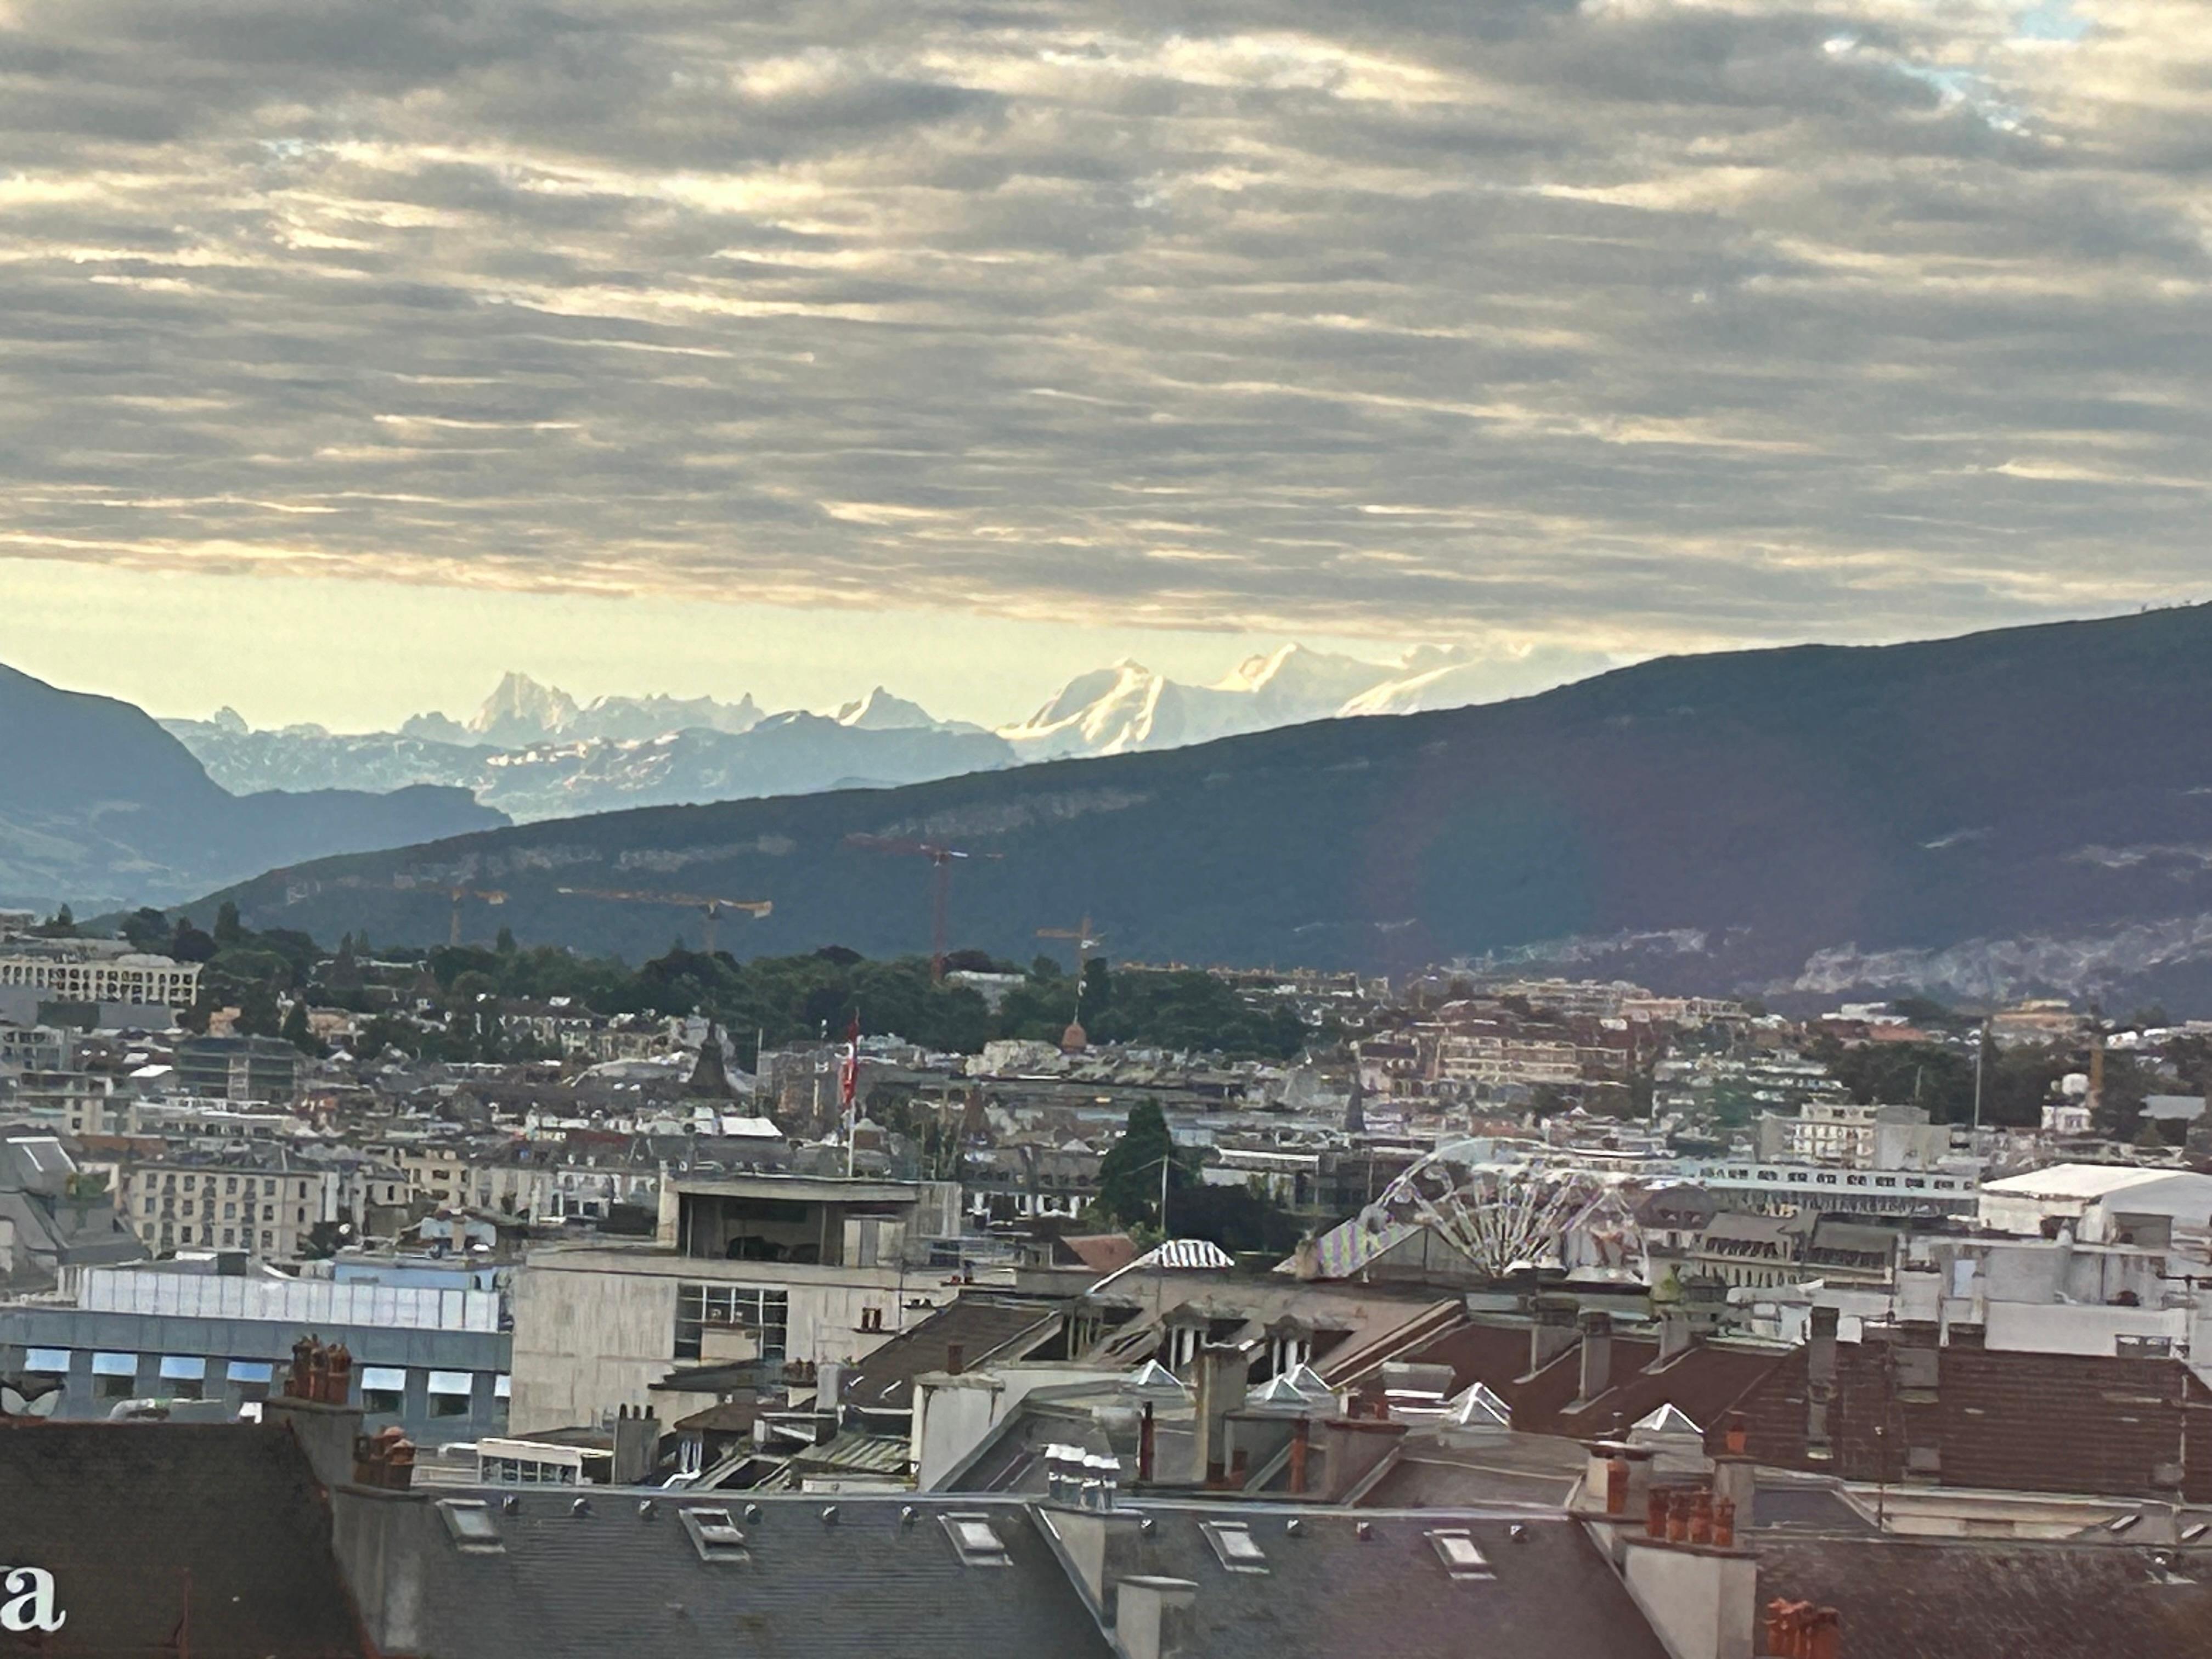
(1702, 1382)
(981, 1326)
(1975, 1599)
(1329, 1589)
(869, 1582)
(141, 1522)
(2008, 1421)
(1103, 1253)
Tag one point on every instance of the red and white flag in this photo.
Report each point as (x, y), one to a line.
(848, 1072)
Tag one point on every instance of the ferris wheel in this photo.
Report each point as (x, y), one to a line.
(1505, 1217)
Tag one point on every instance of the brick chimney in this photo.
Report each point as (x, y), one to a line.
(1616, 1481)
(1798, 1630)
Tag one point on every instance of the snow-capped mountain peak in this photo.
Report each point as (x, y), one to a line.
(520, 709)
(879, 711)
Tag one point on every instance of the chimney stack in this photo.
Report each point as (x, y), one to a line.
(384, 1460)
(1674, 1335)
(1221, 1380)
(1700, 1595)
(637, 1447)
(1820, 1381)
(1597, 1354)
(1152, 1617)
(1552, 1332)
(1798, 1630)
(1103, 1547)
(955, 1359)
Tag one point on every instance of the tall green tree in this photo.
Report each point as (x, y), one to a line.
(296, 1033)
(1129, 1174)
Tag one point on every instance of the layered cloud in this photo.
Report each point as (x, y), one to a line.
(1607, 324)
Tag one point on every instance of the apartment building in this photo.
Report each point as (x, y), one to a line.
(86, 970)
(1496, 1057)
(1844, 1134)
(240, 1068)
(264, 1200)
(428, 1357)
(804, 1269)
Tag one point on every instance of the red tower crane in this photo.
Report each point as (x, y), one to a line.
(942, 858)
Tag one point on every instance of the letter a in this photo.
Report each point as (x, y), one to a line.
(30, 1604)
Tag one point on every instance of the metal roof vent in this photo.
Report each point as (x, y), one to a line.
(713, 1534)
(828, 1515)
(1363, 1531)
(1462, 1558)
(752, 1512)
(644, 1508)
(1295, 1528)
(469, 1523)
(580, 1508)
(976, 1540)
(510, 1504)
(907, 1515)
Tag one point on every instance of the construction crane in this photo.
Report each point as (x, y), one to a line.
(711, 908)
(943, 859)
(1081, 933)
(455, 896)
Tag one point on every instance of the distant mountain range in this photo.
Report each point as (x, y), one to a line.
(533, 751)
(100, 807)
(2023, 810)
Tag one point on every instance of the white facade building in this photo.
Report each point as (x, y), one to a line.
(2098, 1203)
(86, 975)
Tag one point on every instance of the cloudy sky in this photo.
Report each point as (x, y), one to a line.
(351, 351)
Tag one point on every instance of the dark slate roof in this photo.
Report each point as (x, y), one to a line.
(1995, 1418)
(1704, 1381)
(126, 1516)
(1103, 1253)
(1327, 1591)
(1435, 1472)
(1784, 1505)
(612, 1582)
(1010, 1458)
(1970, 1599)
(983, 1327)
